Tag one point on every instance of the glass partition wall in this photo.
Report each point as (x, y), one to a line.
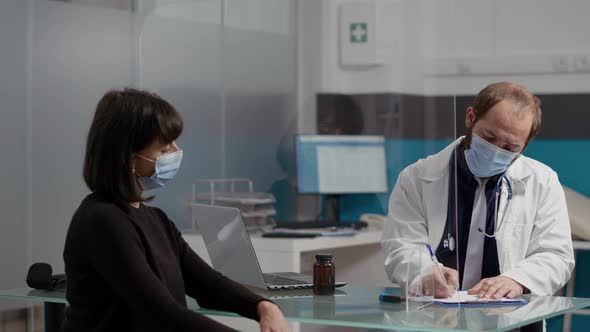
(229, 67)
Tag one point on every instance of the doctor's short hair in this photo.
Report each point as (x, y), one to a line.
(125, 122)
(517, 94)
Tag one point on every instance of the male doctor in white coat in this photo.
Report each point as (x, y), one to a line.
(494, 215)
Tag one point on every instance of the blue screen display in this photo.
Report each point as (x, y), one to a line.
(341, 164)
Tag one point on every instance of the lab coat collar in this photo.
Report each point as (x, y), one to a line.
(518, 172)
(441, 162)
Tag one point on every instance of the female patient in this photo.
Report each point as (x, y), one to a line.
(128, 267)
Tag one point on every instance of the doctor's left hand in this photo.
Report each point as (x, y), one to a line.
(271, 318)
(497, 287)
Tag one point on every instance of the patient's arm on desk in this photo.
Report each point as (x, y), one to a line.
(212, 289)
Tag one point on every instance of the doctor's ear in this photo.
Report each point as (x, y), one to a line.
(469, 117)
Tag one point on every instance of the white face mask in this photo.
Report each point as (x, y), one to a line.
(166, 168)
(485, 159)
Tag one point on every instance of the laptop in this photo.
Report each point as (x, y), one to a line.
(231, 251)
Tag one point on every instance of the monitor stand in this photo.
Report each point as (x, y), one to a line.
(331, 213)
(333, 209)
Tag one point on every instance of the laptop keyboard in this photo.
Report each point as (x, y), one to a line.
(278, 280)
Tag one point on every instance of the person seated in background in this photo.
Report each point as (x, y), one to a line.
(339, 115)
(508, 230)
(128, 267)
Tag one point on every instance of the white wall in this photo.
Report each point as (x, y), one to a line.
(511, 40)
(309, 61)
(400, 31)
(506, 35)
(506, 27)
(401, 36)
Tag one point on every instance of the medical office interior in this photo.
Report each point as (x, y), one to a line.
(259, 83)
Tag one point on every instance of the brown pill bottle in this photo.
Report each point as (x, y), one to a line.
(324, 273)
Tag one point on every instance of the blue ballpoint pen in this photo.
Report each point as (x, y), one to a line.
(432, 255)
(436, 264)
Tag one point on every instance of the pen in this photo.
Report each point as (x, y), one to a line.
(432, 255)
(435, 262)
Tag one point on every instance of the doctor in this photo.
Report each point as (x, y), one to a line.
(494, 215)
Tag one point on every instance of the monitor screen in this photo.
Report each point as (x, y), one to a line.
(341, 164)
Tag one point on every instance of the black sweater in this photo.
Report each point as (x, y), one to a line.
(130, 271)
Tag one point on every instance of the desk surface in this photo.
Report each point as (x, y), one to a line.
(359, 307)
(371, 237)
(318, 243)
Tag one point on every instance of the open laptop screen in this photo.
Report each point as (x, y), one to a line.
(228, 243)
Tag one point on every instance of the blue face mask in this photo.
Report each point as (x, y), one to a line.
(166, 168)
(485, 159)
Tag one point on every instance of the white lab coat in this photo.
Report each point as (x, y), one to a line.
(533, 239)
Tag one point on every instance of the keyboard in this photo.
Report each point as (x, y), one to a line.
(278, 280)
(311, 224)
(287, 234)
(307, 224)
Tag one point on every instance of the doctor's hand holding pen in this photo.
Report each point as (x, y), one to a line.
(445, 280)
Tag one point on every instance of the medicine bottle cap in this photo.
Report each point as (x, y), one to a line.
(323, 257)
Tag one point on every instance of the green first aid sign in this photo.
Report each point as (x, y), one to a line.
(358, 32)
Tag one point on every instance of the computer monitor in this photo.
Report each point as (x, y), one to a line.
(341, 164)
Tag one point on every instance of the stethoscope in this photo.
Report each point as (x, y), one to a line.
(498, 192)
(449, 242)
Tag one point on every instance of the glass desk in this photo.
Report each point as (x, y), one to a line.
(359, 307)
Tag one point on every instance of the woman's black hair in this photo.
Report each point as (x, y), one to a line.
(125, 122)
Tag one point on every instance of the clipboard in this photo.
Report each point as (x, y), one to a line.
(483, 304)
(461, 298)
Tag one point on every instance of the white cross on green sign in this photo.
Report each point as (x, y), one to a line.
(358, 32)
